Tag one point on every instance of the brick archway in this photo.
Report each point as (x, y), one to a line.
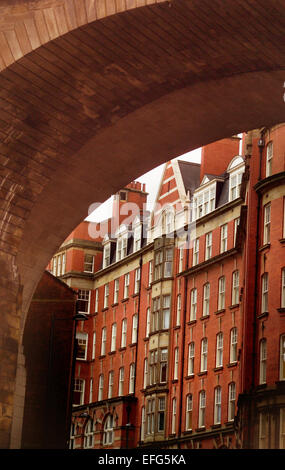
(90, 101)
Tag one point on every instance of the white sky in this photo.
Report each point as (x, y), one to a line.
(151, 180)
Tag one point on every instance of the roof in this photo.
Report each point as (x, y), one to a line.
(190, 173)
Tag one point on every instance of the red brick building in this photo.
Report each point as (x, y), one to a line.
(184, 342)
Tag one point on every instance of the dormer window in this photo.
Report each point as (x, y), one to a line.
(137, 237)
(204, 199)
(122, 243)
(121, 248)
(107, 255)
(235, 170)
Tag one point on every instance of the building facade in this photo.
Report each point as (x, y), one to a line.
(184, 342)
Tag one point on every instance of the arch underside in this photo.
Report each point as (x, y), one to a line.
(92, 109)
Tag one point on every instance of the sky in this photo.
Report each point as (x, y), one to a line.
(151, 180)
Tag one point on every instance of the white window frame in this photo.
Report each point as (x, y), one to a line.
(233, 345)
(202, 409)
(137, 280)
(178, 310)
(235, 287)
(124, 333)
(189, 409)
(208, 245)
(224, 238)
(126, 285)
(193, 305)
(266, 223)
(116, 291)
(176, 363)
(84, 296)
(137, 237)
(219, 349)
(135, 328)
(168, 262)
(204, 201)
(101, 387)
(132, 378)
(113, 337)
(103, 341)
(96, 300)
(204, 355)
(94, 345)
(166, 306)
(231, 402)
(148, 322)
(106, 295)
(264, 292)
(122, 246)
(222, 293)
(217, 405)
(106, 255)
(110, 384)
(191, 358)
(195, 252)
(121, 381)
(206, 300)
(145, 373)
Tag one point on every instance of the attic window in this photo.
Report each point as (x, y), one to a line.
(235, 169)
(204, 201)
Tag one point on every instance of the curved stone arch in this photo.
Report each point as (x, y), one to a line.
(29, 24)
(169, 80)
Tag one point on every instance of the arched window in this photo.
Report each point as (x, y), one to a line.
(108, 435)
(89, 435)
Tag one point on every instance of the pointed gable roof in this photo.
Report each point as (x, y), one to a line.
(190, 173)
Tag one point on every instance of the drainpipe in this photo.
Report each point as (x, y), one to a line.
(256, 283)
(136, 356)
(183, 348)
